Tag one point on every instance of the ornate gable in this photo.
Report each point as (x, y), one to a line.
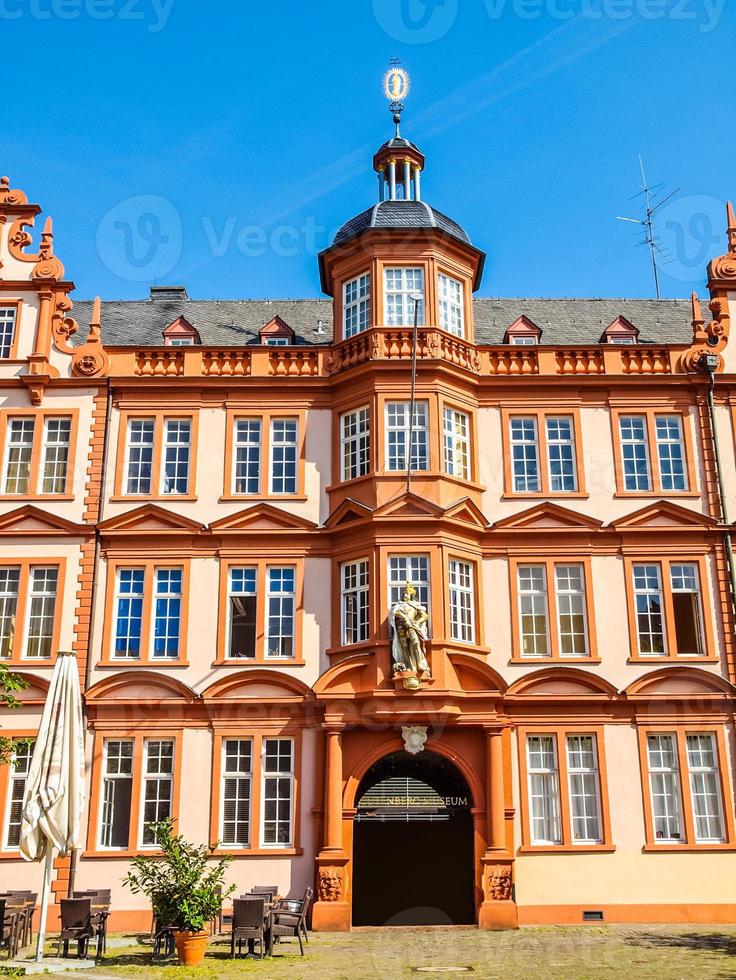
(663, 515)
(262, 517)
(468, 512)
(150, 519)
(409, 505)
(548, 516)
(30, 520)
(348, 512)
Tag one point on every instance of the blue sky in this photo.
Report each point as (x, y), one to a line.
(220, 144)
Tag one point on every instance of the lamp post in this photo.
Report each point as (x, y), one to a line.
(417, 298)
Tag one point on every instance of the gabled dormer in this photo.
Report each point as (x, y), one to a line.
(621, 331)
(276, 333)
(181, 333)
(523, 332)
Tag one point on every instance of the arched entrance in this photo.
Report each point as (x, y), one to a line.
(413, 844)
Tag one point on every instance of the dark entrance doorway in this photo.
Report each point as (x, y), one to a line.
(413, 844)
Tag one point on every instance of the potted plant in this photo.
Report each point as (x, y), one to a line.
(185, 888)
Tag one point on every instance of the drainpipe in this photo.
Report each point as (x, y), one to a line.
(709, 364)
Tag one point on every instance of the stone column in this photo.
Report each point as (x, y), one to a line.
(333, 791)
(332, 910)
(496, 805)
(498, 910)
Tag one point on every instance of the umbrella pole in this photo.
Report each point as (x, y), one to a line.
(48, 868)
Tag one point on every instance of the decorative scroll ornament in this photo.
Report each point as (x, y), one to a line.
(710, 337)
(329, 885)
(10, 197)
(415, 738)
(63, 327)
(91, 360)
(500, 885)
(409, 621)
(48, 267)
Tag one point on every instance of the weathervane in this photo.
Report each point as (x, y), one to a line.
(396, 84)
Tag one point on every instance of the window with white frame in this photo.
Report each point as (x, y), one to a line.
(398, 417)
(355, 582)
(41, 612)
(141, 434)
(247, 456)
(158, 786)
(649, 603)
(55, 461)
(355, 437)
(179, 341)
(277, 342)
(280, 599)
(413, 569)
(523, 340)
(9, 586)
(462, 601)
(452, 316)
(571, 615)
(457, 443)
(399, 286)
(584, 789)
(18, 455)
(356, 305)
(277, 792)
(544, 790)
(177, 453)
(525, 454)
(20, 763)
(117, 793)
(129, 586)
(561, 454)
(635, 452)
(167, 613)
(236, 777)
(671, 452)
(242, 604)
(687, 610)
(284, 454)
(533, 618)
(705, 788)
(664, 787)
(8, 316)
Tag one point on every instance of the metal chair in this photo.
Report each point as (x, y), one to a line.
(77, 926)
(298, 906)
(248, 924)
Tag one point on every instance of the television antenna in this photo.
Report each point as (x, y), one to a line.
(653, 204)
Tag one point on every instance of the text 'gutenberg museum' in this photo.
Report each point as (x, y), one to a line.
(471, 662)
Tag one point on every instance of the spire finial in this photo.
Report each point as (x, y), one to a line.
(396, 85)
(731, 226)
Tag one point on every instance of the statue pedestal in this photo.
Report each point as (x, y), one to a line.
(410, 680)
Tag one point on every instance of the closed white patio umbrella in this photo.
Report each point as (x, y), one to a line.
(54, 796)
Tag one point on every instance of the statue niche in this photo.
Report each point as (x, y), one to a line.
(409, 624)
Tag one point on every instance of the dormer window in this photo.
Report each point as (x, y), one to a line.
(181, 333)
(400, 285)
(621, 331)
(8, 316)
(523, 333)
(276, 333)
(452, 314)
(356, 305)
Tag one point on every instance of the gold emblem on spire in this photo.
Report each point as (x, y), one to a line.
(396, 83)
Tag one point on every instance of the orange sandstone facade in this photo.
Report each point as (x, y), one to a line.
(219, 531)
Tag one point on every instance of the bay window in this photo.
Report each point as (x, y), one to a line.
(398, 425)
(457, 443)
(355, 579)
(356, 305)
(400, 284)
(355, 440)
(452, 316)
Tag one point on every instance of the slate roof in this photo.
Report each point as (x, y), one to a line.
(402, 215)
(233, 323)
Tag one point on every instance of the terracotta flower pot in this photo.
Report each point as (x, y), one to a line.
(191, 947)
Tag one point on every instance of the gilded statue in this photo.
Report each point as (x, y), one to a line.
(409, 625)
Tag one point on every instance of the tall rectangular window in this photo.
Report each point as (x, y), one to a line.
(584, 789)
(56, 439)
(41, 612)
(8, 316)
(457, 443)
(355, 602)
(664, 787)
(534, 628)
(177, 452)
(397, 436)
(284, 452)
(158, 786)
(462, 602)
(635, 453)
(9, 585)
(117, 793)
(649, 603)
(355, 437)
(452, 316)
(687, 609)
(281, 597)
(571, 616)
(167, 613)
(399, 286)
(19, 766)
(140, 456)
(671, 452)
(561, 454)
(356, 305)
(525, 454)
(544, 790)
(237, 770)
(129, 612)
(242, 602)
(413, 569)
(247, 457)
(705, 788)
(18, 455)
(277, 792)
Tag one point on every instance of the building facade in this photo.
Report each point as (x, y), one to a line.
(217, 505)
